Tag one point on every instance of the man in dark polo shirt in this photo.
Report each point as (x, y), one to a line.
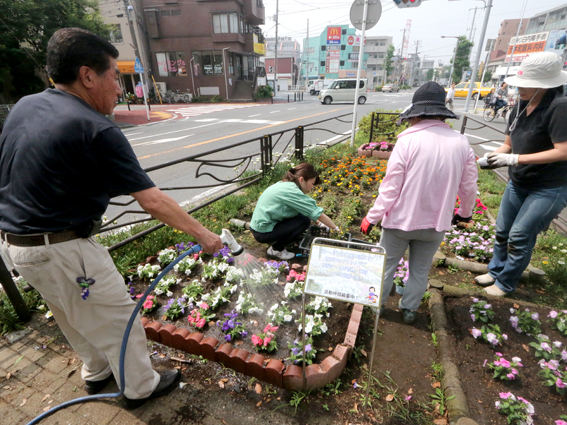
(61, 161)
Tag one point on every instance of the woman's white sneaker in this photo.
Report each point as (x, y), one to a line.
(495, 291)
(484, 280)
(282, 255)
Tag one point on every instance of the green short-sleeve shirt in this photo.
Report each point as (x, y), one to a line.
(280, 201)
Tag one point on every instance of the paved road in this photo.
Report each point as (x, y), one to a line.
(202, 128)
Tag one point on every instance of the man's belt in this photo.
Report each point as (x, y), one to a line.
(39, 240)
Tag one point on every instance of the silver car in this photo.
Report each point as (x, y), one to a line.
(391, 88)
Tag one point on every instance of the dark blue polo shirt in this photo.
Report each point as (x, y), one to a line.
(546, 125)
(60, 163)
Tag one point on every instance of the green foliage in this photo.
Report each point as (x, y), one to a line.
(216, 99)
(27, 27)
(198, 99)
(9, 320)
(462, 62)
(377, 88)
(439, 399)
(297, 397)
(387, 129)
(429, 75)
(332, 388)
(264, 92)
(388, 60)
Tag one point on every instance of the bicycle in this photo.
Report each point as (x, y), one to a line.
(490, 111)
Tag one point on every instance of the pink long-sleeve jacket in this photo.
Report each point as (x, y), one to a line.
(429, 166)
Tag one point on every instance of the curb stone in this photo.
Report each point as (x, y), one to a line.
(457, 407)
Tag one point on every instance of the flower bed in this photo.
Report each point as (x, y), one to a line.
(214, 302)
(521, 372)
(381, 150)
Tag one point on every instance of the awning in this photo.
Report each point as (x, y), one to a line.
(126, 67)
(501, 71)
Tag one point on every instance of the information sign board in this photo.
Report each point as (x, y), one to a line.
(346, 274)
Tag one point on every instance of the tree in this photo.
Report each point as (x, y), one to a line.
(429, 75)
(461, 58)
(388, 60)
(25, 29)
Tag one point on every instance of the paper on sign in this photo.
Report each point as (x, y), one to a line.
(345, 274)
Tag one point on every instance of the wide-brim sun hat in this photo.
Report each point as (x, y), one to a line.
(543, 70)
(428, 100)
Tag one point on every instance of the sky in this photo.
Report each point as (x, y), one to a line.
(429, 21)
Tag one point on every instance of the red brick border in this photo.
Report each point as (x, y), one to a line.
(253, 364)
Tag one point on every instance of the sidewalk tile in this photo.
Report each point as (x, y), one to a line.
(64, 417)
(54, 363)
(100, 412)
(46, 382)
(125, 417)
(68, 392)
(7, 355)
(33, 351)
(18, 391)
(35, 404)
(12, 416)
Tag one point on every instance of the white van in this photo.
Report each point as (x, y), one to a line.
(344, 90)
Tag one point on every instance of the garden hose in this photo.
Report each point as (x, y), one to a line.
(195, 249)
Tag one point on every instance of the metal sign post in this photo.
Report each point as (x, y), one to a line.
(345, 271)
(140, 70)
(371, 10)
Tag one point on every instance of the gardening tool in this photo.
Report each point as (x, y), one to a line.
(226, 238)
(240, 223)
(465, 224)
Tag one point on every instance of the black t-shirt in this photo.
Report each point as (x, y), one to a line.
(60, 163)
(546, 125)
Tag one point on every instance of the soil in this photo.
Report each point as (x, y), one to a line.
(480, 388)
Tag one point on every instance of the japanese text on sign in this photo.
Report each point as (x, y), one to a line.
(345, 274)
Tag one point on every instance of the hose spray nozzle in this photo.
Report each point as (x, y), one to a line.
(228, 240)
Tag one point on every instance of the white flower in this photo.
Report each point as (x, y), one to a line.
(49, 314)
(169, 294)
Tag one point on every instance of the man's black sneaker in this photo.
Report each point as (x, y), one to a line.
(95, 387)
(167, 383)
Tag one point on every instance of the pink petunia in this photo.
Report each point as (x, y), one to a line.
(200, 323)
(148, 304)
(505, 396)
(204, 306)
(559, 383)
(267, 341)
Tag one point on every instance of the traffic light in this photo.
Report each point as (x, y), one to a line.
(407, 3)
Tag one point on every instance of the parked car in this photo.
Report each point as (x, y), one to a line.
(462, 90)
(391, 88)
(344, 90)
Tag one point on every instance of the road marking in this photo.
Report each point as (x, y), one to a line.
(290, 109)
(171, 132)
(476, 137)
(157, 142)
(241, 133)
(257, 115)
(206, 120)
(274, 112)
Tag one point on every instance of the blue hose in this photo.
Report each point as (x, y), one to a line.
(134, 316)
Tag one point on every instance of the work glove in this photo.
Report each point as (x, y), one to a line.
(496, 160)
(324, 226)
(458, 219)
(366, 226)
(483, 162)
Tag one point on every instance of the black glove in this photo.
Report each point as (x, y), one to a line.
(457, 219)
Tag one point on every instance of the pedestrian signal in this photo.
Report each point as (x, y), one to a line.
(407, 3)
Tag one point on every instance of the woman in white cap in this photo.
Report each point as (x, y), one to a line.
(429, 166)
(535, 150)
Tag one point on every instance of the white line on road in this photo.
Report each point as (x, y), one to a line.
(156, 142)
(256, 115)
(206, 120)
(171, 132)
(476, 137)
(273, 112)
(289, 109)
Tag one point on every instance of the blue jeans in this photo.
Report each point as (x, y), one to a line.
(500, 103)
(523, 214)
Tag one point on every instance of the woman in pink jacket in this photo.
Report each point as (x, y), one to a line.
(429, 166)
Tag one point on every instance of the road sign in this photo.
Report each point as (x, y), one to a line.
(372, 15)
(138, 68)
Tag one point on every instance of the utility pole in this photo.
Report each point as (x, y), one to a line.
(516, 39)
(276, 54)
(131, 22)
(307, 60)
(478, 52)
(472, 26)
(414, 69)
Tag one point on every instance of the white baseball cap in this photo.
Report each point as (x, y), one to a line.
(541, 70)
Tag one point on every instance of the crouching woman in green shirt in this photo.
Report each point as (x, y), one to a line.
(284, 211)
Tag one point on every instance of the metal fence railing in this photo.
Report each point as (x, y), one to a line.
(252, 159)
(4, 111)
(379, 118)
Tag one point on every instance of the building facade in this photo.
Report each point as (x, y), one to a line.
(287, 72)
(335, 49)
(377, 50)
(287, 48)
(204, 47)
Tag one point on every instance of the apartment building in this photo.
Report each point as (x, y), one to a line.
(376, 48)
(335, 49)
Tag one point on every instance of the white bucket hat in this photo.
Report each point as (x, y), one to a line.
(541, 71)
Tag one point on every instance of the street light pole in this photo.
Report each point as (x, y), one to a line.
(454, 58)
(477, 60)
(225, 73)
